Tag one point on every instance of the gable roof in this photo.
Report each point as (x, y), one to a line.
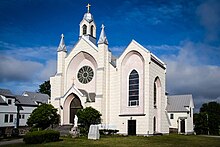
(7, 93)
(2, 102)
(24, 100)
(178, 103)
(38, 97)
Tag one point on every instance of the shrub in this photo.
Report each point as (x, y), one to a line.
(15, 132)
(108, 131)
(37, 137)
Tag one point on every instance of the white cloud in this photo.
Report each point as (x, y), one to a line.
(49, 70)
(18, 70)
(190, 72)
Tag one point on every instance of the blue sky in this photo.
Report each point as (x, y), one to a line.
(185, 34)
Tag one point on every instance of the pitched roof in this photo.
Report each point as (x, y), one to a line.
(24, 100)
(102, 37)
(2, 102)
(6, 93)
(38, 97)
(178, 103)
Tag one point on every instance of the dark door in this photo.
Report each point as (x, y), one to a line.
(131, 127)
(74, 106)
(182, 126)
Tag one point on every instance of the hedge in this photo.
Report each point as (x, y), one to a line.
(37, 137)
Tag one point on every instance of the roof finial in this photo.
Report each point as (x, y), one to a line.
(88, 7)
(102, 37)
(62, 46)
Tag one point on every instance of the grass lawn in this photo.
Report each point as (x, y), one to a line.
(112, 141)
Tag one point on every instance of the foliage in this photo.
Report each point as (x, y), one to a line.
(208, 120)
(37, 137)
(45, 88)
(43, 116)
(108, 132)
(15, 132)
(88, 116)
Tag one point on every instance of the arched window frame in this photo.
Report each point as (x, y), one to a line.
(133, 90)
(84, 29)
(91, 31)
(156, 92)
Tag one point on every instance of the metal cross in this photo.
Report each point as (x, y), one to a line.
(88, 7)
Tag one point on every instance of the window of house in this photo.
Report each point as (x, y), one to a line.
(84, 29)
(171, 116)
(9, 101)
(23, 116)
(19, 116)
(11, 118)
(6, 118)
(133, 89)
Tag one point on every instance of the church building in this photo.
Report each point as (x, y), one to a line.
(129, 91)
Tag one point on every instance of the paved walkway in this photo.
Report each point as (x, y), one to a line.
(210, 136)
(11, 141)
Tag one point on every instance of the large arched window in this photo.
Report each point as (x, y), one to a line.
(84, 29)
(133, 88)
(92, 27)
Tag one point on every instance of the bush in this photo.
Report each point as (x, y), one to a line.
(38, 137)
(15, 132)
(108, 131)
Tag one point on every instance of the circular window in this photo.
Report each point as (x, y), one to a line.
(85, 74)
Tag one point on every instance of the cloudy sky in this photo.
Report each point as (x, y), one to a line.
(183, 33)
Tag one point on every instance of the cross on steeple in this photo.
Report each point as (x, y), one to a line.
(88, 7)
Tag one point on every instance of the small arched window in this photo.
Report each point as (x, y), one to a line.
(84, 29)
(92, 27)
(157, 91)
(133, 88)
(155, 95)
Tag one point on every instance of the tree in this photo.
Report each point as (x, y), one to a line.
(208, 120)
(43, 116)
(45, 87)
(88, 116)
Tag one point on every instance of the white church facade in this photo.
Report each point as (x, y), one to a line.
(129, 91)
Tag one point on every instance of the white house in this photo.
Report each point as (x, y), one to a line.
(8, 109)
(16, 109)
(129, 91)
(180, 110)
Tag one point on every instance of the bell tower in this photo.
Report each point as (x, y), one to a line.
(88, 26)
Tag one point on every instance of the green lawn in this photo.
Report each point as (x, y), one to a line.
(163, 141)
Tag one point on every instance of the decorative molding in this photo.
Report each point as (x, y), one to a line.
(101, 68)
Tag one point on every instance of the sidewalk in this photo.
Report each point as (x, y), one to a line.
(210, 136)
(11, 141)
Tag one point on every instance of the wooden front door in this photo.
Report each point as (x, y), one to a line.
(131, 127)
(74, 106)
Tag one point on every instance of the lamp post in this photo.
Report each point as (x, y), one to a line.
(207, 116)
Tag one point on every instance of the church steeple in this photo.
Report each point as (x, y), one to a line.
(88, 26)
(102, 37)
(62, 46)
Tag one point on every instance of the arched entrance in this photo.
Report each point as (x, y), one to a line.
(74, 106)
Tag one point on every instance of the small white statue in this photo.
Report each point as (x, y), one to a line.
(75, 121)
